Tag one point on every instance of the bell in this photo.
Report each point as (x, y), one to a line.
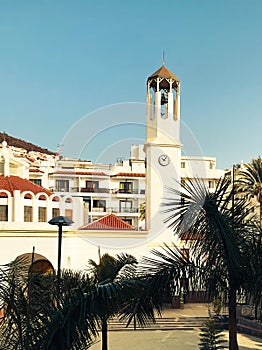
(164, 99)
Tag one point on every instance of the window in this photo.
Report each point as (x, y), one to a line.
(211, 184)
(55, 212)
(99, 205)
(37, 181)
(211, 165)
(183, 165)
(42, 214)
(125, 206)
(28, 214)
(3, 212)
(92, 184)
(69, 213)
(62, 185)
(125, 187)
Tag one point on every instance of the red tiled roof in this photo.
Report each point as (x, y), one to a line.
(108, 222)
(35, 170)
(79, 173)
(12, 183)
(130, 174)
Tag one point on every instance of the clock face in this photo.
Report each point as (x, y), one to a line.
(164, 160)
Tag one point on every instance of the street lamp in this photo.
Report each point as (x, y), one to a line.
(60, 221)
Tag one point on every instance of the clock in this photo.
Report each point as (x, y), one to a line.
(164, 160)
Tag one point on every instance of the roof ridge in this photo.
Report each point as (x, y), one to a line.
(108, 225)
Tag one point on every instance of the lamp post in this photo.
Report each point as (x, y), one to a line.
(60, 221)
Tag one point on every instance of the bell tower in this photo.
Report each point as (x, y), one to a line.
(162, 147)
(163, 105)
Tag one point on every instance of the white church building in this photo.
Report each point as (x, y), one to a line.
(103, 200)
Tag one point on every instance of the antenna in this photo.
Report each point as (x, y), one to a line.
(163, 58)
(99, 254)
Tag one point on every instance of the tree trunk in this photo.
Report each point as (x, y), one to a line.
(260, 211)
(104, 335)
(256, 310)
(232, 322)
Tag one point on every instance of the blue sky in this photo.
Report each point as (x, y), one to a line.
(61, 60)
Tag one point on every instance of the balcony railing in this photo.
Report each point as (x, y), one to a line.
(98, 190)
(124, 191)
(95, 190)
(98, 209)
(122, 210)
(128, 210)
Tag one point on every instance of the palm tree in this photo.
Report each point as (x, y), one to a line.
(254, 276)
(37, 317)
(158, 277)
(219, 241)
(116, 271)
(250, 182)
(210, 336)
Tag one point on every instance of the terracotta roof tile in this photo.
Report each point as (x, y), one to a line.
(12, 183)
(64, 172)
(163, 72)
(108, 222)
(130, 174)
(35, 170)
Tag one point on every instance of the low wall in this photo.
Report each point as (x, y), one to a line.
(246, 322)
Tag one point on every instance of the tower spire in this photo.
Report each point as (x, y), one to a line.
(163, 58)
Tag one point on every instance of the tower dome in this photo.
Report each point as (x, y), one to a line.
(165, 77)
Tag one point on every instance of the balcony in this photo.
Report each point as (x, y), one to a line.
(122, 210)
(128, 210)
(124, 191)
(98, 209)
(94, 190)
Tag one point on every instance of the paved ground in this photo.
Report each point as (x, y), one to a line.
(171, 339)
(190, 310)
(166, 340)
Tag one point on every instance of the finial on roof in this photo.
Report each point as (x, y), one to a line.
(163, 58)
